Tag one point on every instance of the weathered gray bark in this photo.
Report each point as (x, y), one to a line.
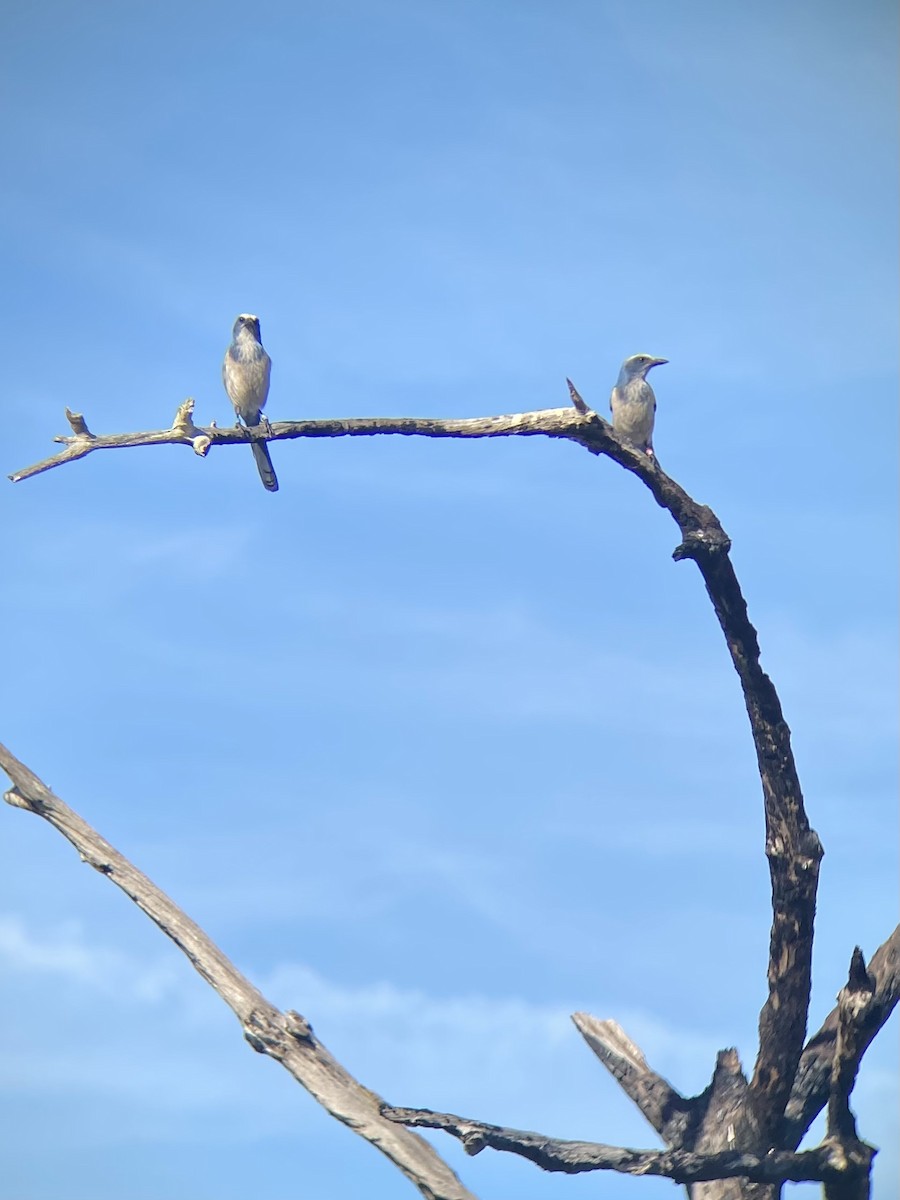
(285, 1036)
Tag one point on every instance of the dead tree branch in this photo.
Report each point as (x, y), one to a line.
(811, 1088)
(855, 999)
(551, 422)
(664, 1107)
(285, 1036)
(573, 1158)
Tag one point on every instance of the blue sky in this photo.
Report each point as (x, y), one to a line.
(437, 743)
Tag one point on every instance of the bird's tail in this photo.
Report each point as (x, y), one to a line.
(264, 466)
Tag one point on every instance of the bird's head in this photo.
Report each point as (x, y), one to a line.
(637, 367)
(248, 322)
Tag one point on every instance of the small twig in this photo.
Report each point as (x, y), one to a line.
(285, 1036)
(576, 398)
(79, 426)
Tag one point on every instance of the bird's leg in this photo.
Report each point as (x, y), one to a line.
(264, 421)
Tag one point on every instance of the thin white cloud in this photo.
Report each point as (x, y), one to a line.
(464, 1033)
(64, 952)
(60, 953)
(401, 1035)
(498, 1057)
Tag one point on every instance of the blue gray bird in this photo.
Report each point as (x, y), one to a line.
(633, 404)
(245, 373)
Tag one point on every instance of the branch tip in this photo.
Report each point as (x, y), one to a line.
(858, 978)
(184, 418)
(580, 405)
(78, 424)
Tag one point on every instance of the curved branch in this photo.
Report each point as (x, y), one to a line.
(580, 425)
(285, 1036)
(792, 847)
(793, 850)
(572, 1158)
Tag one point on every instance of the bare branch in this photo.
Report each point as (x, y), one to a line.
(576, 398)
(792, 847)
(78, 423)
(553, 422)
(83, 442)
(811, 1088)
(285, 1036)
(663, 1106)
(854, 1001)
(552, 1154)
(586, 427)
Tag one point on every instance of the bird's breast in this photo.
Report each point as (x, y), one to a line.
(633, 408)
(246, 378)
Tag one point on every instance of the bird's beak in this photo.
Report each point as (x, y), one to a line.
(658, 362)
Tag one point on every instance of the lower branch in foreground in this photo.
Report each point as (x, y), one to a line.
(285, 1036)
(551, 1154)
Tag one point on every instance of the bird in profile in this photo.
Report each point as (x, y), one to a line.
(245, 373)
(633, 403)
